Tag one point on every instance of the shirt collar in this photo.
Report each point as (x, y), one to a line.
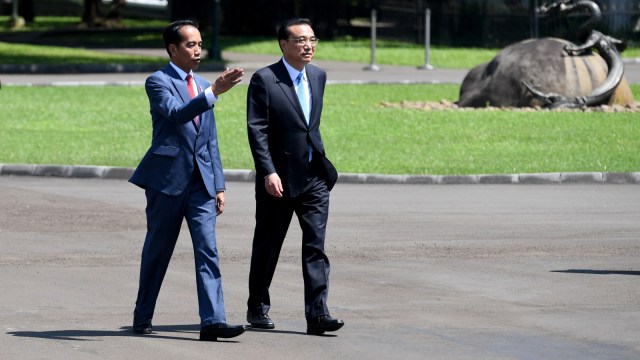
(293, 72)
(181, 72)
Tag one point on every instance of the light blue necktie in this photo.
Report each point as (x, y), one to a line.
(304, 104)
(303, 98)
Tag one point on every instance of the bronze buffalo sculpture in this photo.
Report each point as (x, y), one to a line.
(552, 72)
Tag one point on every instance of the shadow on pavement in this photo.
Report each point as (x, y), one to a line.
(85, 335)
(285, 332)
(598, 272)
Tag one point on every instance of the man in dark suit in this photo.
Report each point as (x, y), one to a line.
(182, 177)
(284, 104)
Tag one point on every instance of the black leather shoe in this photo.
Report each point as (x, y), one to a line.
(141, 325)
(260, 321)
(214, 331)
(317, 326)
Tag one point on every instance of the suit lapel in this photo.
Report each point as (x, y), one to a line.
(286, 84)
(178, 83)
(314, 89)
(181, 87)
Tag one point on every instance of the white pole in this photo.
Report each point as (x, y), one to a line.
(373, 66)
(427, 40)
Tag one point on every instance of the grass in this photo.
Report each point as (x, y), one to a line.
(22, 54)
(45, 23)
(53, 125)
(147, 34)
(351, 51)
(387, 52)
(56, 127)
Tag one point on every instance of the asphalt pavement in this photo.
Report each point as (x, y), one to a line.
(417, 272)
(337, 72)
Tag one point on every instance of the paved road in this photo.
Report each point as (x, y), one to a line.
(337, 72)
(418, 272)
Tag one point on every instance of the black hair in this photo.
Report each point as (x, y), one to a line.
(171, 34)
(283, 28)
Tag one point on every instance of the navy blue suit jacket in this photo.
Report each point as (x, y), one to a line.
(178, 146)
(279, 136)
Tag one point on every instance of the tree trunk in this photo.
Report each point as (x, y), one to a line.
(91, 13)
(25, 9)
(199, 10)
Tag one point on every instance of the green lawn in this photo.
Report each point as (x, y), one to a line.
(54, 125)
(147, 34)
(388, 53)
(23, 54)
(44, 23)
(351, 51)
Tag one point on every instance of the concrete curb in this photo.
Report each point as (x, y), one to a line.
(122, 173)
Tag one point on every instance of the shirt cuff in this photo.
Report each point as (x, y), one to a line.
(211, 98)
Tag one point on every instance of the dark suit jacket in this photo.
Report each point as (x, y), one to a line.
(178, 146)
(279, 136)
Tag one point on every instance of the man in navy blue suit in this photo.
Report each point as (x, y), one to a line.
(293, 175)
(182, 177)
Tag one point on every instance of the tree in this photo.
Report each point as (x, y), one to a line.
(92, 14)
(199, 10)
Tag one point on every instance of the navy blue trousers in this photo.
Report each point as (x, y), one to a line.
(273, 217)
(164, 218)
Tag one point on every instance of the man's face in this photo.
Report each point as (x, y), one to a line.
(186, 55)
(298, 54)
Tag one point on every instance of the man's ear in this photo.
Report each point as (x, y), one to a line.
(173, 49)
(282, 43)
